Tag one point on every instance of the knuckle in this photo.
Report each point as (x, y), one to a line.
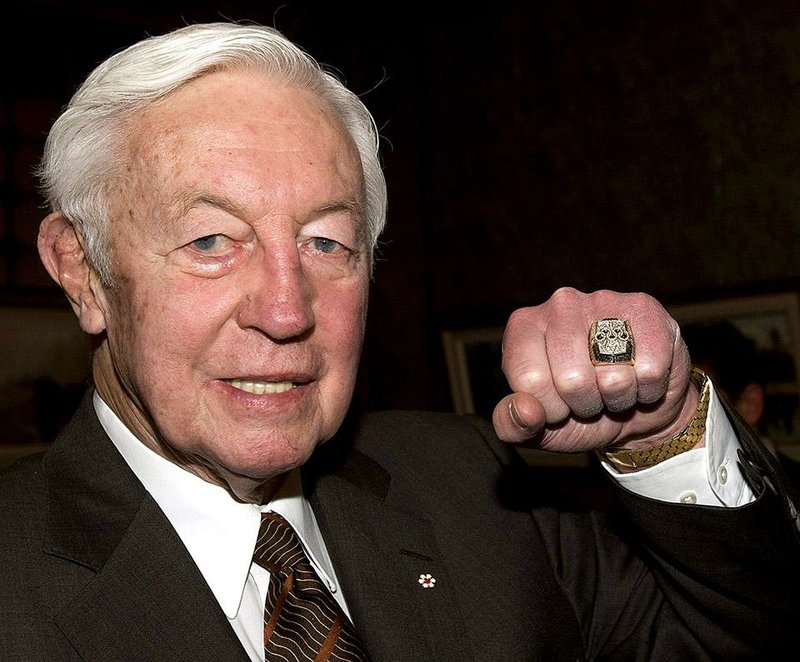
(649, 373)
(648, 308)
(565, 291)
(517, 319)
(612, 381)
(535, 381)
(578, 389)
(575, 383)
(653, 382)
(564, 297)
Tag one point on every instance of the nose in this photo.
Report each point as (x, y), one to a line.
(278, 297)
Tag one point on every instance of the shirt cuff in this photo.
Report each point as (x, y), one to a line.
(707, 476)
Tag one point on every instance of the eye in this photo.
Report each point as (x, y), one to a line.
(212, 243)
(324, 245)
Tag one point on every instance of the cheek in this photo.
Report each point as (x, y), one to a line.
(158, 331)
(348, 320)
(340, 322)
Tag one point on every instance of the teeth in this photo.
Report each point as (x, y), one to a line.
(260, 388)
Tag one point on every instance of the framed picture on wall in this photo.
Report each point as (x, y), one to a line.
(473, 363)
(771, 323)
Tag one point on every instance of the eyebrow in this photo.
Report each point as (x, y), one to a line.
(348, 205)
(189, 202)
(226, 204)
(354, 207)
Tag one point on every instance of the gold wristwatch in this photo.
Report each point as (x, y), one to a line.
(625, 458)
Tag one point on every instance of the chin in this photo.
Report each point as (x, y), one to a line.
(264, 461)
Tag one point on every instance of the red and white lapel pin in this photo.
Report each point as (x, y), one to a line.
(426, 580)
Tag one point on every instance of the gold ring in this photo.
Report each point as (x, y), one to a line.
(611, 342)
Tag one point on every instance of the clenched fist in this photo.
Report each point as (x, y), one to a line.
(562, 402)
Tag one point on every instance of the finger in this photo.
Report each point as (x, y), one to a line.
(518, 417)
(618, 386)
(666, 382)
(655, 336)
(573, 374)
(661, 358)
(526, 366)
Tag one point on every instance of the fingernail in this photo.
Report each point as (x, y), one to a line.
(514, 414)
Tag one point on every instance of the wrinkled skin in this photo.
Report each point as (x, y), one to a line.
(238, 256)
(561, 402)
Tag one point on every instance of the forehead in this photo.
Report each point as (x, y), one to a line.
(225, 99)
(242, 133)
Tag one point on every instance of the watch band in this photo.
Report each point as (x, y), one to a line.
(626, 458)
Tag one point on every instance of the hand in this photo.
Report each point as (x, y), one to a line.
(562, 402)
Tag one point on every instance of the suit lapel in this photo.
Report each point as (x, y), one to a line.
(379, 553)
(147, 600)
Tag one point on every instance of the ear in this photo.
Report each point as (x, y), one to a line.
(61, 252)
(750, 404)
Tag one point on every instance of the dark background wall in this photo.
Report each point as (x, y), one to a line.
(647, 145)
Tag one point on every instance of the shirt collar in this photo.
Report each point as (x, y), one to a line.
(218, 531)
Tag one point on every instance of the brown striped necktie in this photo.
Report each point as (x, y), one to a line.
(302, 620)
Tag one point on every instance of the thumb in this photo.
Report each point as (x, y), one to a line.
(518, 417)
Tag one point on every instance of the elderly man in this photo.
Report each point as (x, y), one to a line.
(215, 201)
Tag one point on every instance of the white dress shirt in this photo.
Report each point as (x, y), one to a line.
(220, 532)
(707, 476)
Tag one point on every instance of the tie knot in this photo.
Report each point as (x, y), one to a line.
(278, 546)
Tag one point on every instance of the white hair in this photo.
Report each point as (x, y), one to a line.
(82, 164)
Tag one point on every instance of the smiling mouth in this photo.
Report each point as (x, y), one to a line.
(261, 388)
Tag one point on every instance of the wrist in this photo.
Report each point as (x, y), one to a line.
(682, 436)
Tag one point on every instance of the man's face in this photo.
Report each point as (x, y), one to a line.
(237, 312)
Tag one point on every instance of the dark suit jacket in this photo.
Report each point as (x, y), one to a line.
(90, 568)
